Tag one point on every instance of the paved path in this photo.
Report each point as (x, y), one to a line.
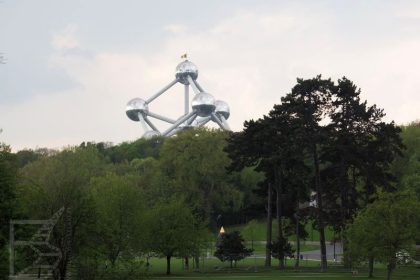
(316, 254)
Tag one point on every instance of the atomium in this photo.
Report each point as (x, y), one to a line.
(204, 106)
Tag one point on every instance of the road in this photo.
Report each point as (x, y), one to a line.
(316, 254)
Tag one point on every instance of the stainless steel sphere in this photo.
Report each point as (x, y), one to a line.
(222, 108)
(134, 107)
(150, 134)
(184, 69)
(203, 104)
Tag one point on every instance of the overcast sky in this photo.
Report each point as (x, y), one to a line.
(71, 66)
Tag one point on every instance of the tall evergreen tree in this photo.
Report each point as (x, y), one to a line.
(309, 103)
(269, 143)
(359, 150)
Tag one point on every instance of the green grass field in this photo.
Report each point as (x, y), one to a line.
(252, 268)
(260, 232)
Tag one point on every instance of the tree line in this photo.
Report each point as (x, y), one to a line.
(321, 155)
(322, 139)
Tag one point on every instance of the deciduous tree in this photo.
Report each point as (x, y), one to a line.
(387, 226)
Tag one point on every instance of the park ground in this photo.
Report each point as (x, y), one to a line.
(253, 268)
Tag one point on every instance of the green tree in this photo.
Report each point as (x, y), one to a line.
(195, 164)
(119, 208)
(309, 103)
(281, 248)
(231, 248)
(387, 226)
(62, 180)
(8, 178)
(271, 145)
(173, 230)
(358, 151)
(407, 167)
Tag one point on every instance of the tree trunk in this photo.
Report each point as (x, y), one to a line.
(370, 267)
(297, 237)
(279, 188)
(168, 265)
(278, 179)
(231, 262)
(390, 267)
(269, 228)
(389, 272)
(280, 229)
(344, 209)
(320, 210)
(197, 261)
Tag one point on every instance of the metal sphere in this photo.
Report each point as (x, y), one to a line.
(184, 69)
(222, 108)
(150, 134)
(134, 107)
(203, 104)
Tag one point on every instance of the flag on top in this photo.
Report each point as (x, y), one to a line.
(184, 56)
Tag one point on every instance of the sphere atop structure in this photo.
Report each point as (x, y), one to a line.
(134, 107)
(204, 104)
(184, 69)
(150, 134)
(222, 108)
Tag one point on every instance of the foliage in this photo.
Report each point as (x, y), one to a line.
(323, 138)
(407, 167)
(195, 164)
(8, 171)
(231, 248)
(173, 230)
(62, 180)
(384, 228)
(281, 248)
(150, 197)
(119, 211)
(127, 151)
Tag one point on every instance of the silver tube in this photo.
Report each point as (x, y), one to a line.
(151, 124)
(143, 123)
(178, 122)
(159, 117)
(225, 123)
(173, 132)
(192, 84)
(156, 95)
(186, 99)
(198, 85)
(203, 121)
(189, 122)
(217, 120)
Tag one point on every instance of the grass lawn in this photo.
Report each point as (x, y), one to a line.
(260, 232)
(253, 268)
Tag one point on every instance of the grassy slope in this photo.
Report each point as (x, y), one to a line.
(260, 232)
